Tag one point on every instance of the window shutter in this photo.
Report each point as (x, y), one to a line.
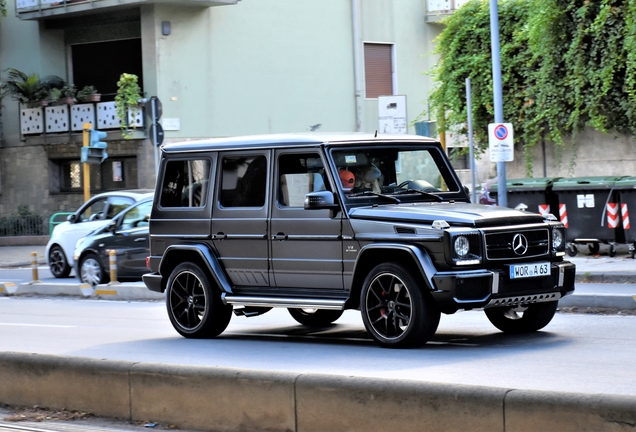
(378, 70)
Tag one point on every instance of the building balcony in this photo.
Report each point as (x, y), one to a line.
(436, 10)
(64, 123)
(43, 9)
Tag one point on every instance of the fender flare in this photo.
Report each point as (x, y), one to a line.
(209, 258)
(422, 259)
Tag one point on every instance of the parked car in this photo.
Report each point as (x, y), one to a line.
(322, 223)
(93, 214)
(127, 235)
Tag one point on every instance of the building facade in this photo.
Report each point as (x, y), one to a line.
(219, 68)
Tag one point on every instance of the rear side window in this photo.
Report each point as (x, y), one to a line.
(243, 181)
(185, 183)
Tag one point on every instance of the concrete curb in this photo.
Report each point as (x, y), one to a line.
(210, 398)
(611, 301)
(123, 291)
(607, 277)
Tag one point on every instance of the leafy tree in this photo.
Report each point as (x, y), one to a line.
(566, 64)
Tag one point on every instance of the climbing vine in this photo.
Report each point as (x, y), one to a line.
(565, 65)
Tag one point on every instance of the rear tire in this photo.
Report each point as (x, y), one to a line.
(522, 319)
(395, 310)
(58, 264)
(315, 317)
(91, 270)
(194, 303)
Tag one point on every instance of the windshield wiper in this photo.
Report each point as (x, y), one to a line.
(367, 193)
(426, 194)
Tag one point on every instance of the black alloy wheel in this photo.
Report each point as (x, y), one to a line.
(194, 303)
(524, 319)
(57, 262)
(395, 311)
(315, 317)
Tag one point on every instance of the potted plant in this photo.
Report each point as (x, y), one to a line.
(68, 94)
(26, 89)
(54, 95)
(128, 97)
(89, 94)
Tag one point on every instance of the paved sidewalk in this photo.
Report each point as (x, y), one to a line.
(599, 268)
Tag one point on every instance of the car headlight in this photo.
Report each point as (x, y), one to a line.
(557, 239)
(466, 249)
(461, 246)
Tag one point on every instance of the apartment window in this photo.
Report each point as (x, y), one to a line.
(378, 70)
(112, 174)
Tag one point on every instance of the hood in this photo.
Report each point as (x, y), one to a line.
(456, 214)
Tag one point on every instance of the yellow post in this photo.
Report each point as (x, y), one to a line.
(34, 267)
(87, 127)
(113, 266)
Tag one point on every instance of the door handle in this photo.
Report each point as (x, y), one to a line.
(140, 239)
(279, 236)
(219, 236)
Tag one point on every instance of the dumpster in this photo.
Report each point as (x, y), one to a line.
(530, 194)
(626, 189)
(588, 207)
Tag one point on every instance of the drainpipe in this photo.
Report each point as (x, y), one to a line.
(356, 64)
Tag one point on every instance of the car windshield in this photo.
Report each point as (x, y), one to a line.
(408, 174)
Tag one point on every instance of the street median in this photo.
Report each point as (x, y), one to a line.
(211, 398)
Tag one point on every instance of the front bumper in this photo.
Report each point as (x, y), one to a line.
(493, 288)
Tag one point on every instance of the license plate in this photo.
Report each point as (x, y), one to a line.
(519, 271)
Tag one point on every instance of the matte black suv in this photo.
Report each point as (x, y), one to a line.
(322, 223)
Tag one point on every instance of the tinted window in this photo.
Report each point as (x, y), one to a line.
(94, 211)
(243, 181)
(299, 174)
(185, 183)
(137, 216)
(117, 205)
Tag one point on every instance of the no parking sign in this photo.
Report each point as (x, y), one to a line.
(501, 142)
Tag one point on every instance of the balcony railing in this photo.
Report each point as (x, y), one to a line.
(70, 118)
(40, 9)
(437, 9)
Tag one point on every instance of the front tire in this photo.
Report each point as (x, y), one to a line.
(525, 319)
(58, 264)
(91, 270)
(194, 303)
(395, 311)
(315, 317)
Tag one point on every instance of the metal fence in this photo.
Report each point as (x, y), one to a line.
(24, 225)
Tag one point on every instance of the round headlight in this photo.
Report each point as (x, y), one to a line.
(461, 246)
(557, 239)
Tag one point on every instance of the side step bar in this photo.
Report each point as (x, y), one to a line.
(285, 302)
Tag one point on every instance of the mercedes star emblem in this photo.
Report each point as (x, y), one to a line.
(520, 244)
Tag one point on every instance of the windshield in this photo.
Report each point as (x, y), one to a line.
(394, 174)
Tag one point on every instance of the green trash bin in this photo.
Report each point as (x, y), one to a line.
(626, 189)
(589, 209)
(530, 194)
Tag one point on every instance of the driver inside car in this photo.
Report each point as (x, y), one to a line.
(368, 179)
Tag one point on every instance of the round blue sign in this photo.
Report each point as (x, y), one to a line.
(501, 132)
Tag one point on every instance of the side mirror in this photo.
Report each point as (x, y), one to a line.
(112, 226)
(321, 200)
(71, 218)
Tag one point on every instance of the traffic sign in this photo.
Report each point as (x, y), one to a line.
(158, 134)
(501, 142)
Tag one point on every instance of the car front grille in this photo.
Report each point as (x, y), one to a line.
(499, 246)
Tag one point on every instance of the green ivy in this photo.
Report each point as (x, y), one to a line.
(128, 96)
(565, 65)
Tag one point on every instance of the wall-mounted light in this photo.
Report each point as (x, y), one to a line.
(165, 28)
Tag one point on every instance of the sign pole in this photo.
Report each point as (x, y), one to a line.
(86, 130)
(469, 109)
(153, 108)
(502, 194)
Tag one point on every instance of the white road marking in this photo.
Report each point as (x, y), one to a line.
(36, 325)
